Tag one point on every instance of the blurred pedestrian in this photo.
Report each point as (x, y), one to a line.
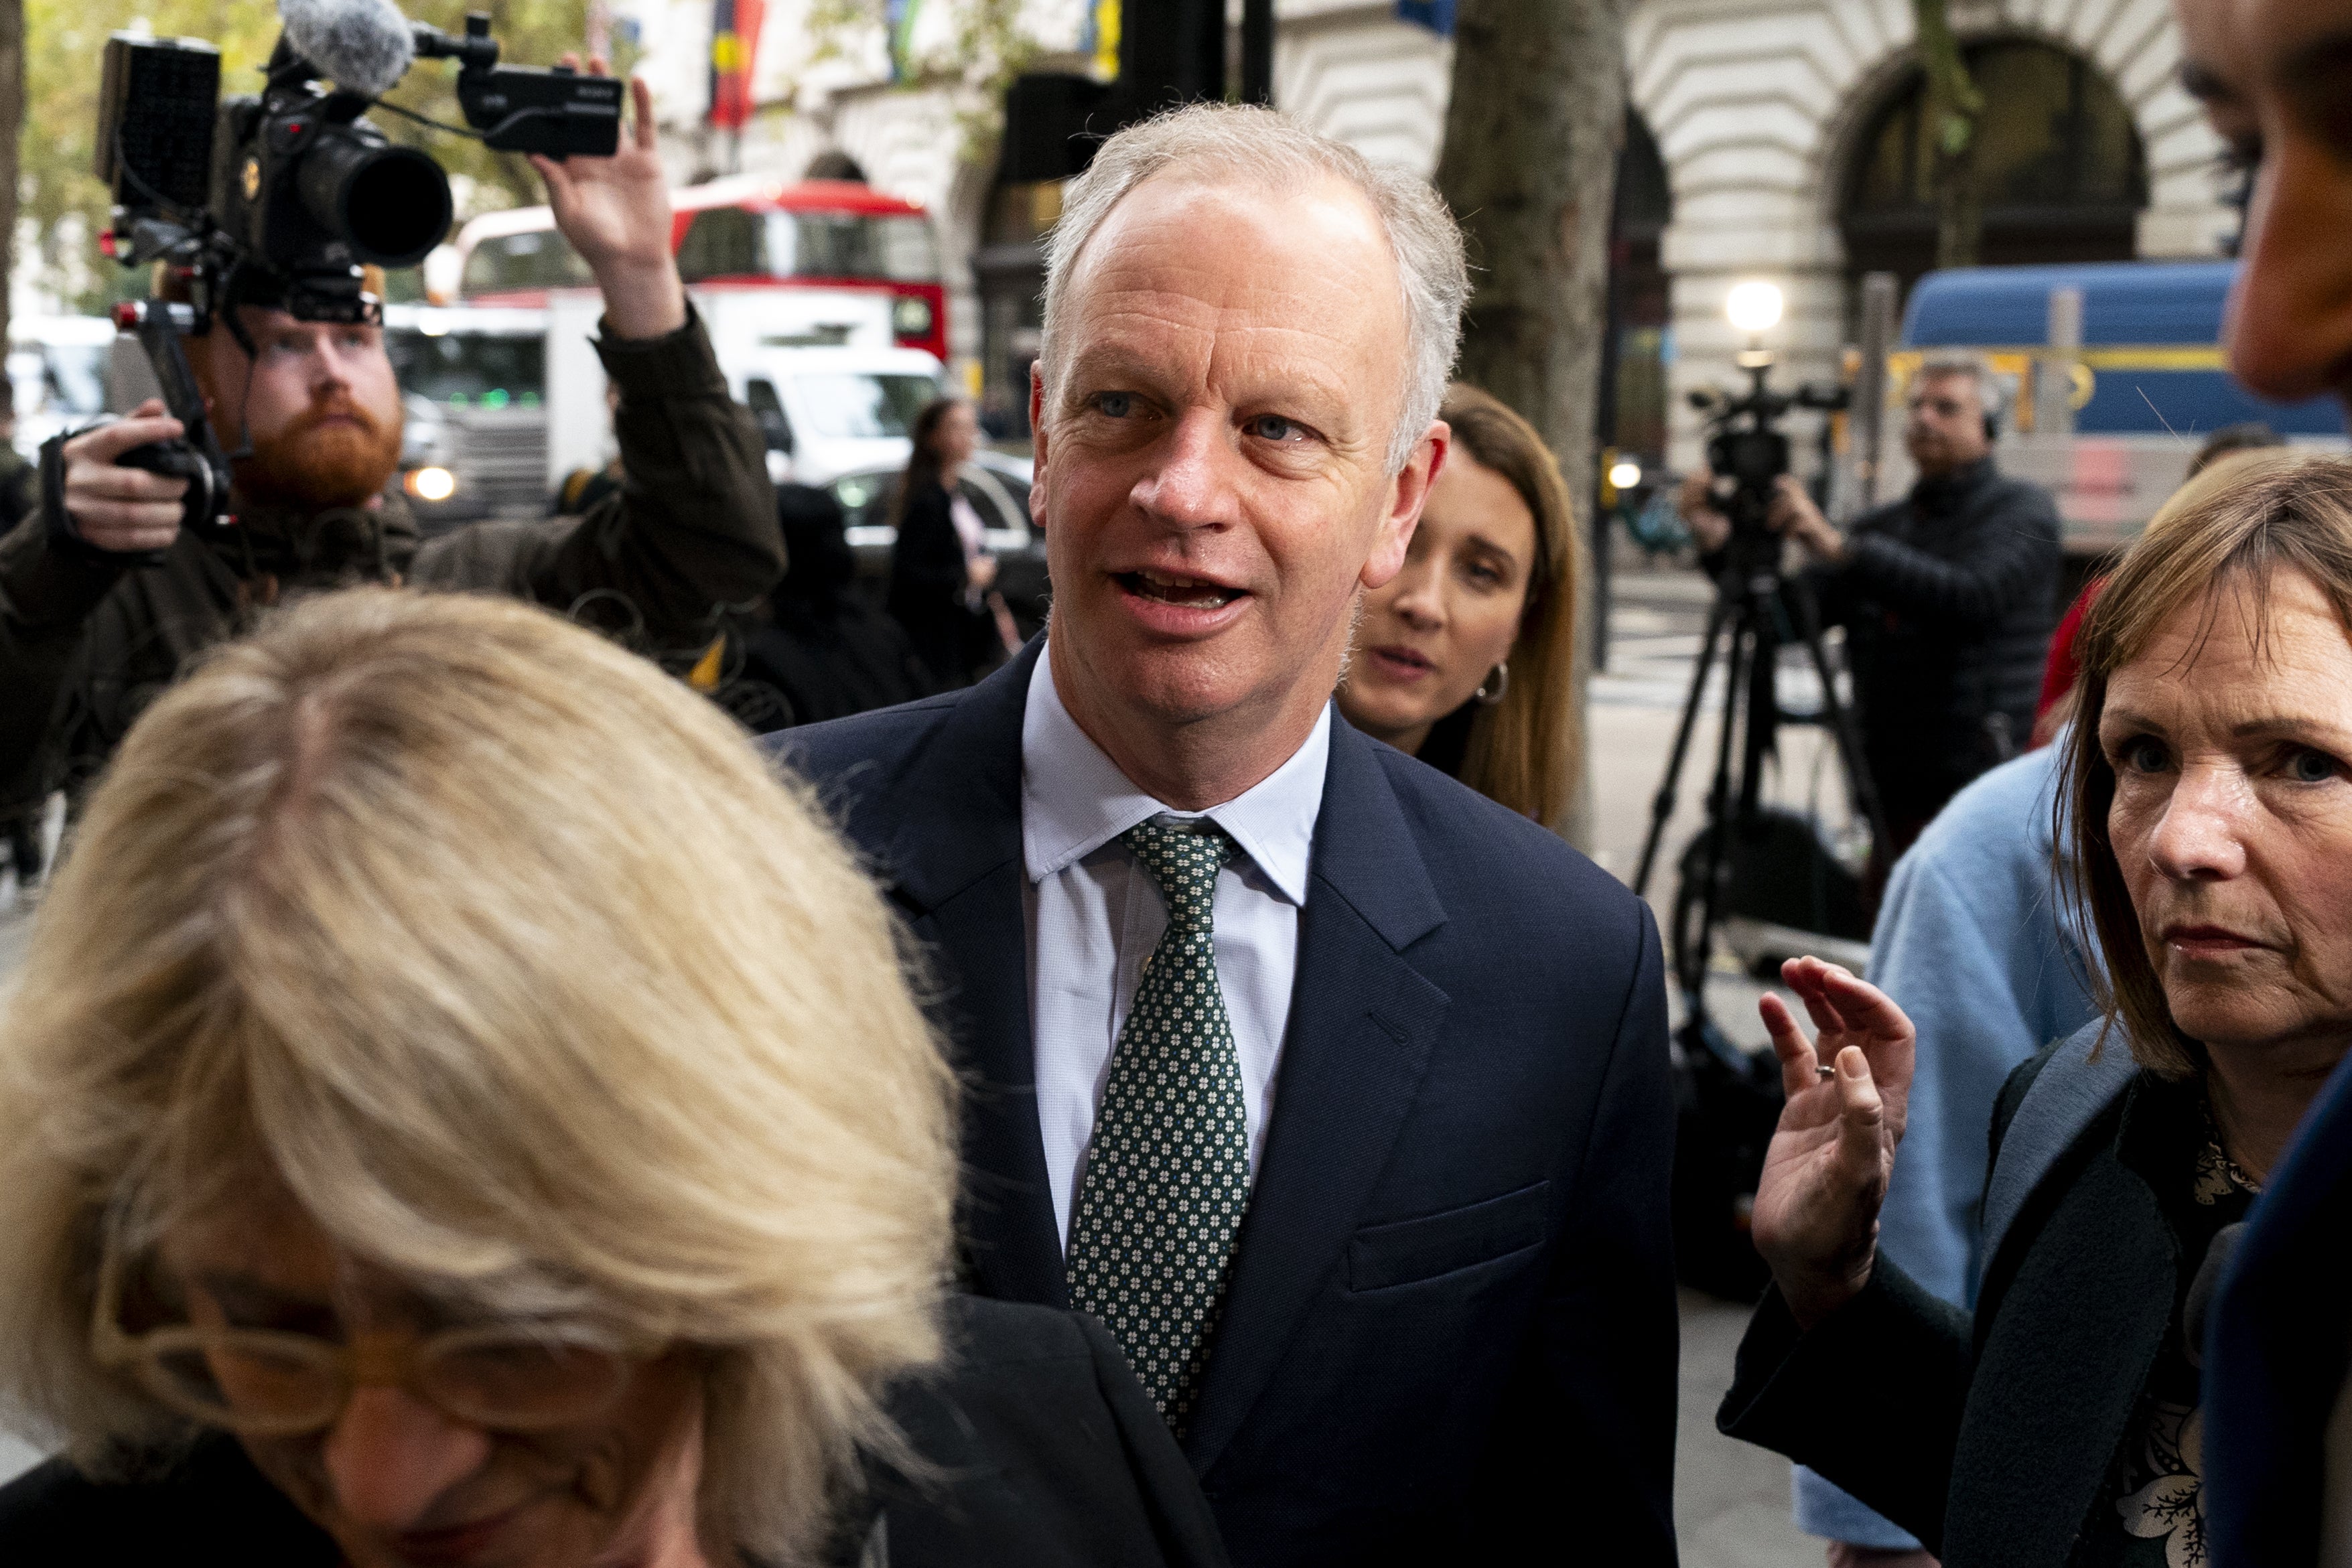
(595, 1213)
(1466, 658)
(2209, 814)
(1407, 1296)
(941, 574)
(826, 651)
(584, 489)
(1947, 596)
(20, 478)
(20, 497)
(2272, 75)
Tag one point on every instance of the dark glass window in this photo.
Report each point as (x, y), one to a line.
(470, 369)
(728, 242)
(539, 260)
(2057, 164)
(723, 242)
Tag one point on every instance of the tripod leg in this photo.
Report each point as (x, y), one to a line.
(1662, 804)
(1691, 956)
(1860, 786)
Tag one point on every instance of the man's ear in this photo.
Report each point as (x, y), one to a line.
(1036, 444)
(1408, 493)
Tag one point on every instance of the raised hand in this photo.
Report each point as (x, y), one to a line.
(615, 212)
(117, 509)
(1816, 1220)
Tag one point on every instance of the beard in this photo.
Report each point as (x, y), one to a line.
(314, 464)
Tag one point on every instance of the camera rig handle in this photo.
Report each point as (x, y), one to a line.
(196, 456)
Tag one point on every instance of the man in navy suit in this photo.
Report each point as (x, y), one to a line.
(1338, 1092)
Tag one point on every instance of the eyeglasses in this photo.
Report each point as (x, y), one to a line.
(266, 1383)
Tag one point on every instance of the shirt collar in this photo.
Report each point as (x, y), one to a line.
(1074, 799)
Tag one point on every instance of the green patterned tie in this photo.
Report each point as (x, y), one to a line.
(1168, 1169)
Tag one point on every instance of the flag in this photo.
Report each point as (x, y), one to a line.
(1437, 15)
(1099, 36)
(899, 18)
(734, 45)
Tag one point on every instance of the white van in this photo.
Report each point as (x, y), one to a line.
(58, 369)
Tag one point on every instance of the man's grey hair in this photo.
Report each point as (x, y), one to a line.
(1964, 362)
(1267, 148)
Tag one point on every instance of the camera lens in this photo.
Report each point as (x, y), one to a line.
(390, 204)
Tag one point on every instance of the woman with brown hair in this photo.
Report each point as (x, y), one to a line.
(1466, 659)
(2206, 829)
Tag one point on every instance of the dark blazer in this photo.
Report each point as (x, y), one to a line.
(1991, 1439)
(927, 579)
(1043, 1453)
(2277, 1345)
(1451, 1325)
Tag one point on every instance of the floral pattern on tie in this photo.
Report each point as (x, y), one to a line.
(1166, 1174)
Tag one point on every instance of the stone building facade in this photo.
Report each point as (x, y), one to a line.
(1777, 129)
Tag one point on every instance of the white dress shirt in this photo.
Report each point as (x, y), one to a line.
(1094, 915)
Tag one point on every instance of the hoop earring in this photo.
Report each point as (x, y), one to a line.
(1502, 683)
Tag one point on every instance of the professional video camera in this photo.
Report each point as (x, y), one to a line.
(1747, 452)
(284, 196)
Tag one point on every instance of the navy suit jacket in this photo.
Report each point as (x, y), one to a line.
(2278, 1347)
(1450, 1329)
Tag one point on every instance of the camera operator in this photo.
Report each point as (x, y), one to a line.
(105, 599)
(1948, 596)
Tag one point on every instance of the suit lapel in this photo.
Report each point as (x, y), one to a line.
(1362, 1024)
(956, 865)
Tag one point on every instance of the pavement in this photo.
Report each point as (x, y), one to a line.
(1731, 1502)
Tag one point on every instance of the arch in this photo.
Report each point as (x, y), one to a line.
(2060, 166)
(1763, 153)
(835, 164)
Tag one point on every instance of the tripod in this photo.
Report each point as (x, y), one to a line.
(1729, 1103)
(1755, 611)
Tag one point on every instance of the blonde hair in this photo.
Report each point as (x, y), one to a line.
(518, 966)
(1263, 146)
(1527, 750)
(2233, 528)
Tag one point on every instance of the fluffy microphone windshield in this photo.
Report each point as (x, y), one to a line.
(362, 45)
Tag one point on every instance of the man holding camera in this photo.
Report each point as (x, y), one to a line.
(1948, 596)
(106, 595)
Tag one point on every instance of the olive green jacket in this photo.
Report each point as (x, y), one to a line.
(86, 639)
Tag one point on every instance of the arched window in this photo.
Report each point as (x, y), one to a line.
(2058, 166)
(1633, 388)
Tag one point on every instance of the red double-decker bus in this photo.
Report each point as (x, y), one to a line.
(745, 232)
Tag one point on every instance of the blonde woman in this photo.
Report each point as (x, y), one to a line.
(1465, 660)
(460, 1108)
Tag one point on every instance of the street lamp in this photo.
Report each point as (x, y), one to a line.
(1754, 307)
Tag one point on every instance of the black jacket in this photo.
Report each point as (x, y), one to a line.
(1992, 1438)
(88, 639)
(1449, 1331)
(927, 579)
(823, 649)
(1949, 596)
(1044, 1452)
